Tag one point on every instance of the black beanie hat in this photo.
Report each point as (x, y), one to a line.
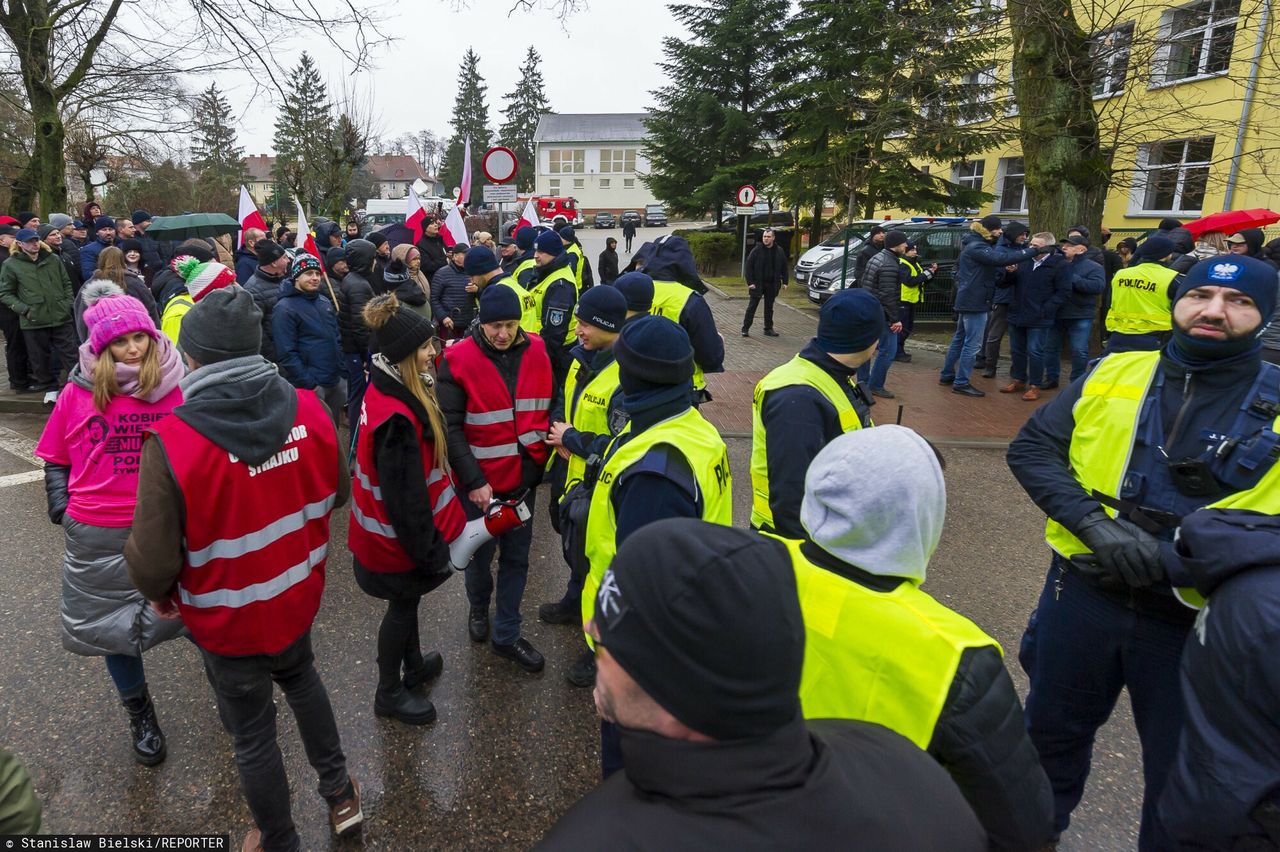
(706, 619)
(991, 222)
(894, 238)
(268, 252)
(498, 303)
(224, 324)
(849, 322)
(333, 256)
(140, 216)
(653, 351)
(604, 307)
(397, 331)
(377, 238)
(1155, 248)
(130, 245)
(1013, 230)
(1169, 223)
(638, 289)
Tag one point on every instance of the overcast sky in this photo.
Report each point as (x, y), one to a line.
(604, 59)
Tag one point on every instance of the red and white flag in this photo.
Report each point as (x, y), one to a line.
(249, 216)
(414, 215)
(529, 217)
(305, 240)
(454, 230)
(464, 187)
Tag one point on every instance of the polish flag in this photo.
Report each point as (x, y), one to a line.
(414, 215)
(249, 216)
(464, 187)
(305, 240)
(529, 218)
(454, 230)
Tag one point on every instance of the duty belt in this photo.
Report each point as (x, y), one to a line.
(1150, 520)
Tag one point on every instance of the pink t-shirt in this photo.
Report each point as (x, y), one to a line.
(103, 451)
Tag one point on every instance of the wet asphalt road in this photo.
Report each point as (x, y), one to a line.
(509, 751)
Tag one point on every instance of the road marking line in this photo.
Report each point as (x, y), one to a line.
(17, 444)
(20, 478)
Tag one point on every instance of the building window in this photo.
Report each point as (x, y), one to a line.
(554, 186)
(1013, 186)
(977, 89)
(1109, 52)
(628, 183)
(1196, 40)
(617, 160)
(578, 183)
(606, 183)
(567, 161)
(969, 175)
(1172, 176)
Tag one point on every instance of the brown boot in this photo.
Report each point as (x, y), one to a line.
(1014, 386)
(1032, 394)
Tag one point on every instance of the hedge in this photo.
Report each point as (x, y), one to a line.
(710, 249)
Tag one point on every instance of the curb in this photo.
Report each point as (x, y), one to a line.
(18, 405)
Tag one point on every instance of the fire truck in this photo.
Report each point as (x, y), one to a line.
(559, 210)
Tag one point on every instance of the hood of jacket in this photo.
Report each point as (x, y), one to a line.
(1183, 242)
(1214, 545)
(669, 258)
(243, 405)
(15, 250)
(1253, 238)
(323, 231)
(976, 237)
(360, 255)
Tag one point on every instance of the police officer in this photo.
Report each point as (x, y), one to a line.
(588, 417)
(482, 268)
(555, 291)
(801, 406)
(582, 269)
(525, 264)
(495, 389)
(880, 649)
(1138, 315)
(637, 287)
(913, 276)
(1115, 461)
(668, 463)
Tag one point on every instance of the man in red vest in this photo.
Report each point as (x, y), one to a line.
(230, 534)
(495, 390)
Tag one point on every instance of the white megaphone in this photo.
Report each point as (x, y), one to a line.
(502, 516)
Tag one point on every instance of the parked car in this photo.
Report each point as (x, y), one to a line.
(729, 220)
(605, 219)
(833, 247)
(655, 216)
(631, 216)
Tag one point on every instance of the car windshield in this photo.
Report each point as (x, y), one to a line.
(855, 231)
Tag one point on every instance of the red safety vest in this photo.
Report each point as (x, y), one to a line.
(370, 535)
(255, 536)
(495, 425)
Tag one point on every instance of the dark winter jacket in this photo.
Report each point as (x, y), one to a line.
(304, 327)
(449, 296)
(1225, 780)
(1206, 399)
(586, 444)
(800, 422)
(1088, 280)
(669, 258)
(558, 300)
(1004, 281)
(39, 291)
(69, 254)
(153, 257)
(408, 291)
(354, 292)
(265, 289)
(822, 785)
(1038, 292)
(453, 403)
(978, 269)
(89, 258)
(880, 278)
(433, 256)
(628, 229)
(863, 257)
(608, 266)
(246, 265)
(768, 267)
(165, 285)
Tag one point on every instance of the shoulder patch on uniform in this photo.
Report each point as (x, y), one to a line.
(556, 316)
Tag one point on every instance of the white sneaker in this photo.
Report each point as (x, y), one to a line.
(50, 397)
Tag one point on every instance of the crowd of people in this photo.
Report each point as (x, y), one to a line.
(791, 685)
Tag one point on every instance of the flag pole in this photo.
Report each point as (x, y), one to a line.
(329, 284)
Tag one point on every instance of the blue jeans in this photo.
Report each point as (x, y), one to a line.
(127, 674)
(877, 369)
(513, 570)
(1080, 648)
(1077, 333)
(1026, 354)
(970, 326)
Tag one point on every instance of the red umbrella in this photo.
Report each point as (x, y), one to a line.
(1230, 221)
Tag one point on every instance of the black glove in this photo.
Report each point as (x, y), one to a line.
(1039, 250)
(1122, 549)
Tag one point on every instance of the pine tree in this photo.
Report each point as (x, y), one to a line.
(215, 158)
(525, 106)
(708, 133)
(302, 138)
(470, 118)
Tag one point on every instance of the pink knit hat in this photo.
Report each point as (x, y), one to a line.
(116, 316)
(203, 277)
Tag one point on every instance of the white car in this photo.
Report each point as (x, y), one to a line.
(833, 247)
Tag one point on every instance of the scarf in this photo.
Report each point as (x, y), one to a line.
(171, 370)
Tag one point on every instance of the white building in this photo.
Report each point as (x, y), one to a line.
(594, 157)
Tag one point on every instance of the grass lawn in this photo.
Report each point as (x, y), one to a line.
(795, 295)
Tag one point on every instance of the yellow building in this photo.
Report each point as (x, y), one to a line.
(1188, 99)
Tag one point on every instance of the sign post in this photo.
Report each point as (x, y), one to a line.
(746, 198)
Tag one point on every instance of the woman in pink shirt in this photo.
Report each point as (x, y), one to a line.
(127, 379)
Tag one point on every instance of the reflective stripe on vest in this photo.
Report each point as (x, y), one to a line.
(797, 371)
(883, 657)
(574, 248)
(669, 299)
(692, 436)
(370, 536)
(588, 411)
(1106, 427)
(256, 536)
(909, 293)
(496, 426)
(539, 294)
(1140, 300)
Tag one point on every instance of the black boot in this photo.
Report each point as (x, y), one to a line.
(148, 740)
(432, 665)
(394, 701)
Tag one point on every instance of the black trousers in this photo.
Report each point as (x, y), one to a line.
(15, 349)
(768, 292)
(50, 351)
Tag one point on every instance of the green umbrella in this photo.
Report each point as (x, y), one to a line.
(190, 225)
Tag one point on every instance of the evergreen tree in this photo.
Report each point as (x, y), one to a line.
(470, 118)
(302, 138)
(215, 158)
(525, 106)
(708, 133)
